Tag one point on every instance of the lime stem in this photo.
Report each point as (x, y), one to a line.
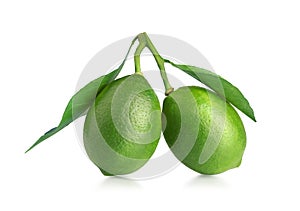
(137, 60)
(144, 38)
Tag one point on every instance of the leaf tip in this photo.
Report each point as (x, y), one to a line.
(28, 150)
(251, 115)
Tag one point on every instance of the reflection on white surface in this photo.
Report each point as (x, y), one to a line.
(206, 181)
(119, 183)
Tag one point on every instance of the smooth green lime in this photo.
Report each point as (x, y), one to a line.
(123, 127)
(203, 131)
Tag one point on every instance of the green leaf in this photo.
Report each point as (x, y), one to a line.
(221, 86)
(80, 103)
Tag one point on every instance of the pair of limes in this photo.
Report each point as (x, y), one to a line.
(124, 125)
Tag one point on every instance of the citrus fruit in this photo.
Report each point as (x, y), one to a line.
(123, 126)
(203, 131)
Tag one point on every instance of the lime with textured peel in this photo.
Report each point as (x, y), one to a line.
(123, 127)
(203, 131)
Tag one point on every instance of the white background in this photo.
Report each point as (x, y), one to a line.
(45, 46)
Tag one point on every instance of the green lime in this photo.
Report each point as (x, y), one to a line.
(123, 127)
(203, 131)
